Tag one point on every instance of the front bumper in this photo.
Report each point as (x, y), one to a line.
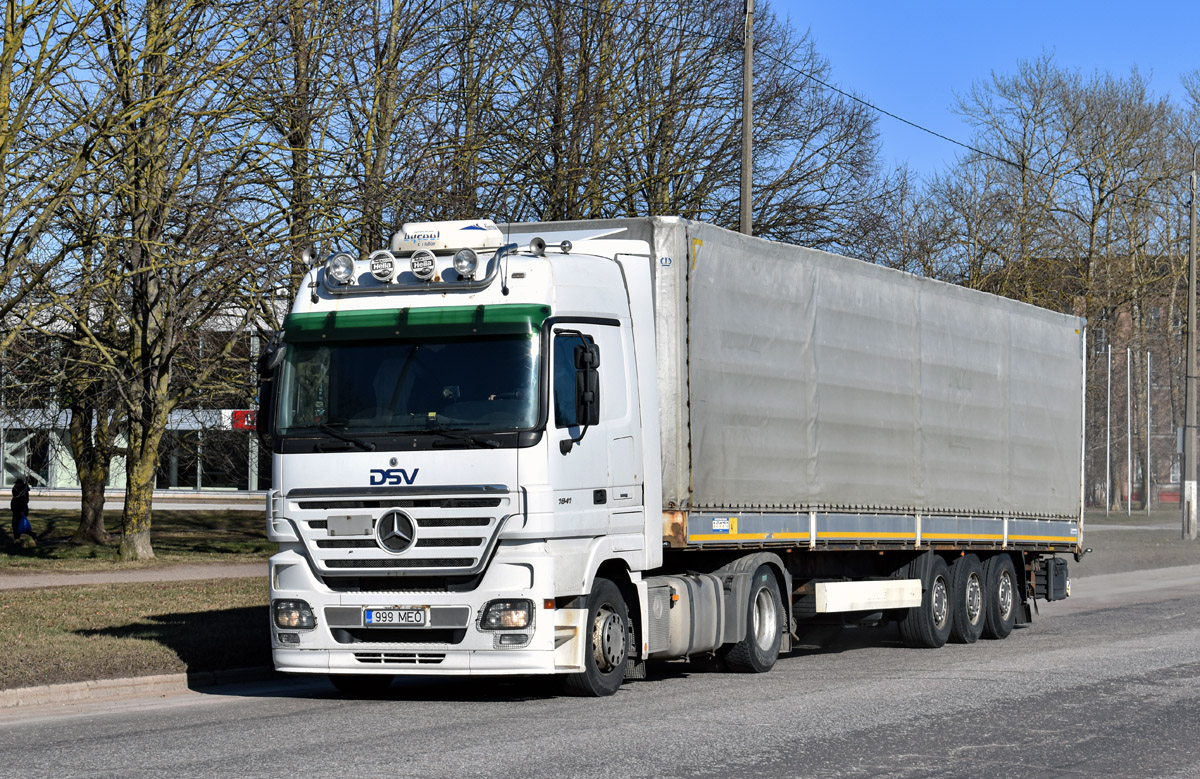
(516, 571)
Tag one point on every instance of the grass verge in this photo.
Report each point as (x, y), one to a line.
(81, 633)
(177, 537)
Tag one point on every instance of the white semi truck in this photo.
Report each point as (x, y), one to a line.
(570, 448)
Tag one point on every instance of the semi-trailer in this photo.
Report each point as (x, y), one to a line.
(570, 448)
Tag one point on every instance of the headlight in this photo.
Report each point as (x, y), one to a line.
(465, 262)
(507, 615)
(340, 268)
(293, 615)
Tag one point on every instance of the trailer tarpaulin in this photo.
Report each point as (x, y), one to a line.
(822, 381)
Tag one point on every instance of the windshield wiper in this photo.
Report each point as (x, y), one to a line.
(455, 435)
(336, 433)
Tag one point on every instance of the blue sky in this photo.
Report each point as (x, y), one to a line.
(912, 58)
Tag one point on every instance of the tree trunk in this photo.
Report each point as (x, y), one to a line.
(91, 435)
(139, 496)
(91, 528)
(145, 437)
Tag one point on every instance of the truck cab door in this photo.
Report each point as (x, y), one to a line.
(579, 445)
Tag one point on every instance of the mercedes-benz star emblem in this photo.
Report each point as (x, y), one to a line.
(396, 532)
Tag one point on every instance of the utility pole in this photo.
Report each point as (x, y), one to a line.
(1189, 423)
(747, 225)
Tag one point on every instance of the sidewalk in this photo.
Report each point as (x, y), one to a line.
(162, 685)
(170, 573)
(173, 500)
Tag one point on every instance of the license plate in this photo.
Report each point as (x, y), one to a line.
(413, 618)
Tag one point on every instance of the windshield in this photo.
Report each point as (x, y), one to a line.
(409, 386)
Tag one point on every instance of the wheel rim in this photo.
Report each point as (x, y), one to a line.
(974, 599)
(764, 618)
(608, 639)
(1004, 595)
(940, 603)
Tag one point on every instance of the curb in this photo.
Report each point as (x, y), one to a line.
(160, 685)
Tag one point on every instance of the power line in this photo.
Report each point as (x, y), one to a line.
(1082, 181)
(990, 155)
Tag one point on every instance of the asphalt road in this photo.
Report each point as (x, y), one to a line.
(1103, 684)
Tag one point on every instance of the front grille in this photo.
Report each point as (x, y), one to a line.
(453, 521)
(412, 636)
(400, 658)
(454, 535)
(350, 543)
(410, 503)
(450, 542)
(419, 562)
(403, 584)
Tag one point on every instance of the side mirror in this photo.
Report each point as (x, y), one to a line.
(264, 420)
(587, 392)
(270, 358)
(587, 384)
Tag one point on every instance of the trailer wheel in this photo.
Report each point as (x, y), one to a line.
(361, 685)
(1000, 601)
(967, 599)
(759, 648)
(928, 626)
(604, 660)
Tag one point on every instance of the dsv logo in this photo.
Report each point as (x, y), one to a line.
(392, 476)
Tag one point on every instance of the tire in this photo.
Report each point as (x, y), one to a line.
(604, 660)
(928, 626)
(967, 599)
(1001, 597)
(759, 648)
(361, 685)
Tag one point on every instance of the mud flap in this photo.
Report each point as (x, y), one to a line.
(570, 639)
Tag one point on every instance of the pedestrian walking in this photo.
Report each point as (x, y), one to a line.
(20, 510)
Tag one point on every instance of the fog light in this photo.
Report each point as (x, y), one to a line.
(340, 268)
(465, 262)
(293, 614)
(512, 639)
(507, 615)
(289, 638)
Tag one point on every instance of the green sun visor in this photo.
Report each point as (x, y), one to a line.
(386, 324)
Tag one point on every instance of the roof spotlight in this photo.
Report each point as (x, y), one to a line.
(465, 262)
(340, 268)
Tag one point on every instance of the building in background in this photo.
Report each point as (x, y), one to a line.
(204, 449)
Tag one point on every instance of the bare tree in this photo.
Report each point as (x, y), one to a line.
(182, 153)
(47, 138)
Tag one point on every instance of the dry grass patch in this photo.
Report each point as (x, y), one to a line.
(68, 634)
(177, 536)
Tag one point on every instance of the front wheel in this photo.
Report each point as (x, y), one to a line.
(604, 659)
(759, 648)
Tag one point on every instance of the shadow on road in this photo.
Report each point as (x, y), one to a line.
(211, 643)
(424, 689)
